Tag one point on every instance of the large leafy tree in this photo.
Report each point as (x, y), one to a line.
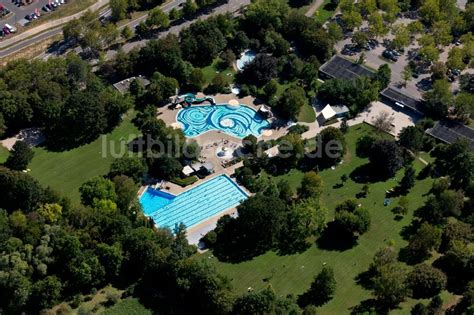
(322, 289)
(291, 101)
(426, 281)
(439, 99)
(20, 155)
(386, 158)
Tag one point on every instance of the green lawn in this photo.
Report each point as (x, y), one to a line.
(129, 306)
(293, 274)
(3, 154)
(307, 114)
(325, 11)
(66, 171)
(212, 70)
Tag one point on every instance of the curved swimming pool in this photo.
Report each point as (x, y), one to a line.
(238, 121)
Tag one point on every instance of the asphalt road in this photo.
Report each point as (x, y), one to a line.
(38, 38)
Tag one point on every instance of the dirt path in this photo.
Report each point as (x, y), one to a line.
(313, 8)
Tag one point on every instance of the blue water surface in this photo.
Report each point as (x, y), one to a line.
(192, 206)
(238, 121)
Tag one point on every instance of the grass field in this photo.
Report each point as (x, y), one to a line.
(325, 11)
(3, 154)
(293, 274)
(212, 70)
(66, 171)
(129, 306)
(307, 114)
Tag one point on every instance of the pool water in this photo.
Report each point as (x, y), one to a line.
(238, 121)
(195, 205)
(245, 58)
(153, 199)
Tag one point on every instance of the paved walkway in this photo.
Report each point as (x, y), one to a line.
(313, 8)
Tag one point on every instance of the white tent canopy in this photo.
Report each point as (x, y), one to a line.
(187, 170)
(328, 112)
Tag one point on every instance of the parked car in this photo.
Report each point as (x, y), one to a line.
(389, 54)
(12, 29)
(5, 30)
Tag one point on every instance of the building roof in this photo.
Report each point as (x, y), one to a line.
(124, 85)
(340, 109)
(449, 131)
(187, 170)
(403, 100)
(328, 112)
(196, 166)
(208, 166)
(341, 68)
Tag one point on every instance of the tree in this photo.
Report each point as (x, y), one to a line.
(360, 39)
(383, 122)
(426, 281)
(426, 239)
(464, 107)
(439, 99)
(165, 167)
(429, 52)
(335, 31)
(157, 18)
(96, 189)
(263, 302)
(442, 33)
(305, 219)
(126, 33)
(20, 155)
(322, 289)
(332, 143)
(438, 71)
(385, 158)
(196, 80)
(383, 75)
(218, 84)
(350, 219)
(311, 186)
(51, 212)
(407, 74)
(291, 101)
(408, 179)
(260, 70)
(132, 167)
(411, 138)
(119, 9)
(270, 89)
(189, 9)
(46, 292)
(377, 27)
(126, 190)
(456, 59)
(19, 191)
(402, 37)
(389, 285)
(419, 309)
(351, 19)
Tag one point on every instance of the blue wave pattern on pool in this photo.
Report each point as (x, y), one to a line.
(199, 203)
(238, 121)
(153, 199)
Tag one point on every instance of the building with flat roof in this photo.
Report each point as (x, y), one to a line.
(450, 131)
(398, 99)
(124, 85)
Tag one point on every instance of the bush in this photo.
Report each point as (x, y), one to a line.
(183, 182)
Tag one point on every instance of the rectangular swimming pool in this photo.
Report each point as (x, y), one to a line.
(192, 206)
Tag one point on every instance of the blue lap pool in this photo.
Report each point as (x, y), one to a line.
(192, 206)
(238, 121)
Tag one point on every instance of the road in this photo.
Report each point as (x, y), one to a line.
(232, 6)
(43, 31)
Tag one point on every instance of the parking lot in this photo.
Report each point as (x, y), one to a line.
(19, 12)
(373, 58)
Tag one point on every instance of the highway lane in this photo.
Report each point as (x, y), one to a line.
(39, 37)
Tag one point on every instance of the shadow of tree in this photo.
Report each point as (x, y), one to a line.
(365, 174)
(370, 306)
(334, 238)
